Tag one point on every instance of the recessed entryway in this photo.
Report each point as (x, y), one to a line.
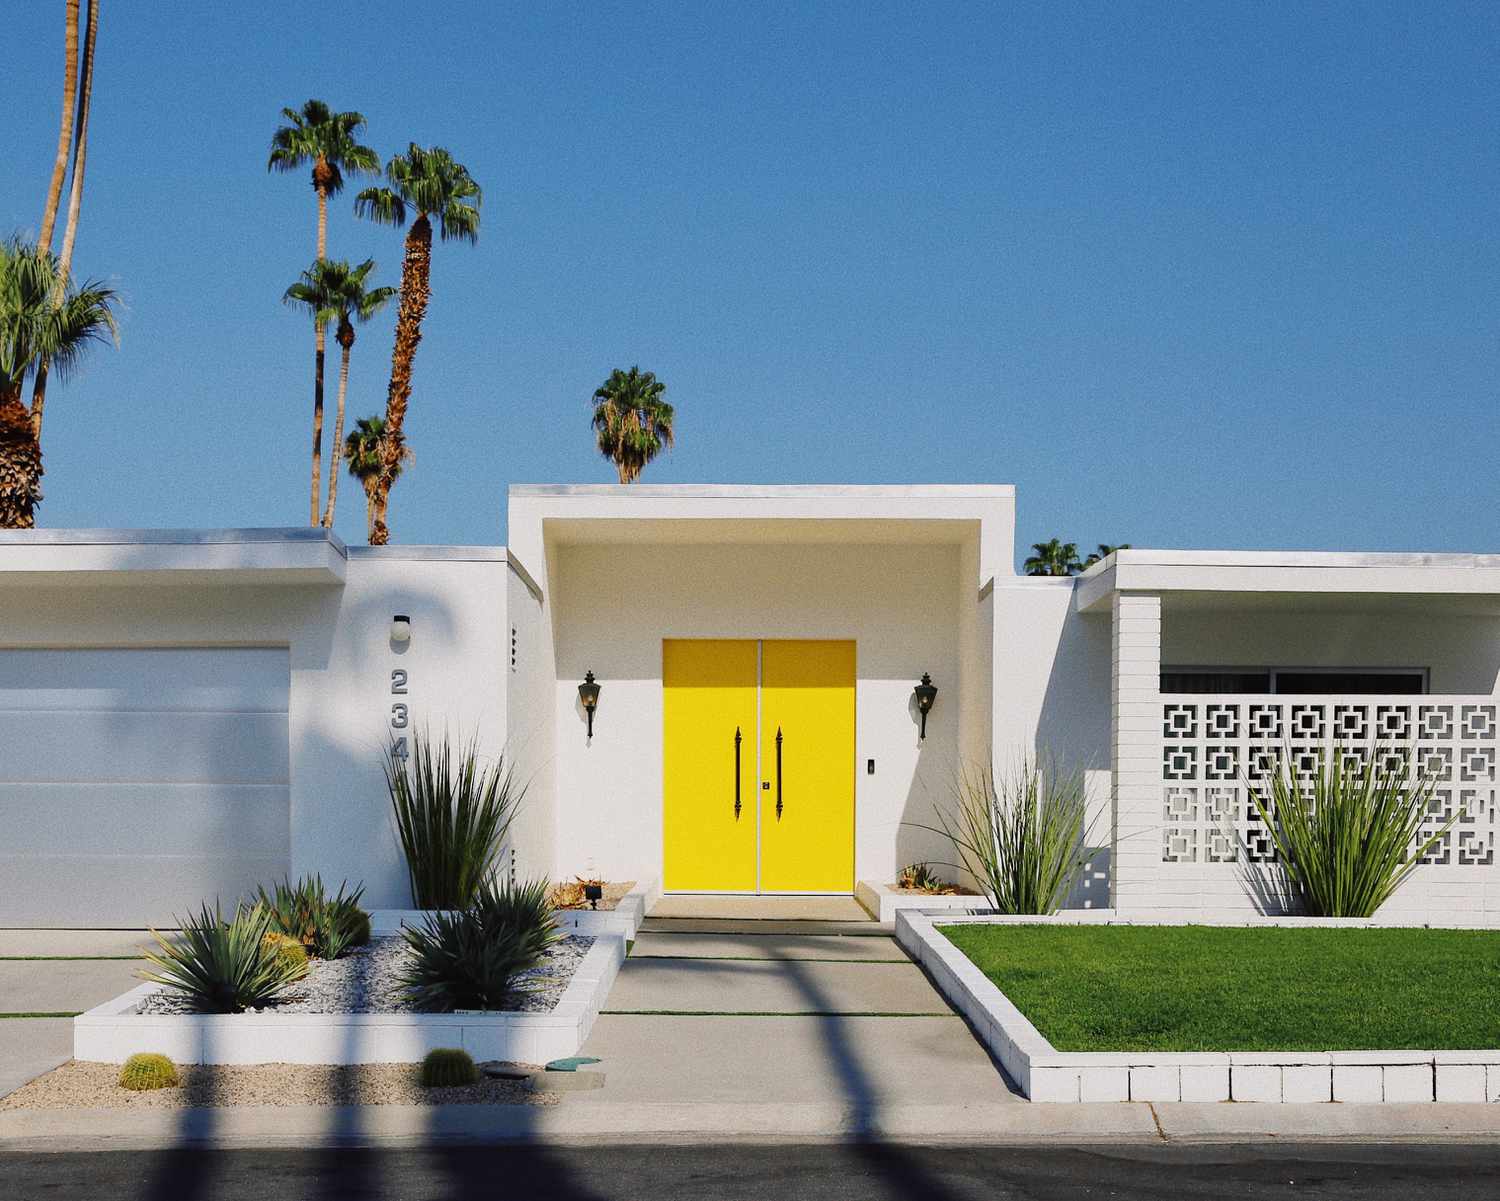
(758, 774)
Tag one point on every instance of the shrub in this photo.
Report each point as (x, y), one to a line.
(326, 926)
(469, 959)
(223, 967)
(1022, 835)
(448, 1067)
(145, 1071)
(919, 877)
(568, 895)
(451, 817)
(1348, 837)
(288, 950)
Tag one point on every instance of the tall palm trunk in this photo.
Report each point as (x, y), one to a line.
(416, 290)
(75, 204)
(345, 339)
(319, 343)
(322, 181)
(65, 130)
(20, 463)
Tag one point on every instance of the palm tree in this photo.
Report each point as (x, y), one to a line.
(345, 288)
(311, 293)
(364, 451)
(36, 329)
(1104, 552)
(632, 421)
(329, 141)
(65, 129)
(1052, 558)
(429, 183)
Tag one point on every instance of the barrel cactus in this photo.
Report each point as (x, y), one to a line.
(146, 1071)
(289, 951)
(448, 1067)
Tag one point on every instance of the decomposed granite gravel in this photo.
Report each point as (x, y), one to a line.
(79, 1085)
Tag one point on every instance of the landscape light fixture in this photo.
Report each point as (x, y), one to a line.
(401, 629)
(926, 693)
(588, 693)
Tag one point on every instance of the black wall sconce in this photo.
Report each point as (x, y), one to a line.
(588, 693)
(926, 693)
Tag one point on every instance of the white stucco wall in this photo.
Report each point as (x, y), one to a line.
(613, 606)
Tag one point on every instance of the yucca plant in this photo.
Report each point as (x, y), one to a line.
(1022, 835)
(223, 966)
(452, 817)
(326, 925)
(469, 959)
(1348, 833)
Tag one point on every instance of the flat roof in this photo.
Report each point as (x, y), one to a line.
(764, 491)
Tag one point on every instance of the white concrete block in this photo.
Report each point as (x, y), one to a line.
(1155, 1084)
(1492, 1082)
(1205, 1083)
(1461, 1082)
(1104, 1084)
(1408, 1083)
(1054, 1084)
(1358, 1083)
(1251, 1082)
(1307, 1083)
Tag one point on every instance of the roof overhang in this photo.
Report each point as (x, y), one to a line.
(294, 556)
(1314, 579)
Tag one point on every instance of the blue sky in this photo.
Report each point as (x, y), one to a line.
(1193, 274)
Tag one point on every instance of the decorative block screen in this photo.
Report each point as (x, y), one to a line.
(1213, 745)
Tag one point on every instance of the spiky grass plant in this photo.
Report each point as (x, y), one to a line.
(223, 966)
(326, 925)
(1347, 834)
(452, 816)
(1022, 834)
(146, 1071)
(448, 1067)
(469, 959)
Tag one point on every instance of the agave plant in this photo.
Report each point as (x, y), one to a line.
(223, 966)
(470, 959)
(452, 817)
(1022, 835)
(1347, 834)
(326, 925)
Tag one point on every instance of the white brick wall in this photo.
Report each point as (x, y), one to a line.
(1135, 747)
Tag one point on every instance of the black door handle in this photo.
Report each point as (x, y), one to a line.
(778, 773)
(736, 773)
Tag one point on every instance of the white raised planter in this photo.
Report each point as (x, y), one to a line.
(1047, 1074)
(882, 902)
(624, 920)
(112, 1032)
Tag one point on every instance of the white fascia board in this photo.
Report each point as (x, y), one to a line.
(250, 556)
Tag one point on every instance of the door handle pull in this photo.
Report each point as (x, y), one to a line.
(778, 773)
(736, 773)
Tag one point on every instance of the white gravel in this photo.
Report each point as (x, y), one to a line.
(366, 981)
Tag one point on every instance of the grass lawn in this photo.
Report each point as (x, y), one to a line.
(1200, 988)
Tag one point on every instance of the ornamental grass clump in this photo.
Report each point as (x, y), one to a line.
(1349, 833)
(469, 959)
(1022, 835)
(326, 925)
(145, 1071)
(452, 817)
(448, 1067)
(220, 966)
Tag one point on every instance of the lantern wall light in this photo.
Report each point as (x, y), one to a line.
(926, 693)
(588, 694)
(400, 629)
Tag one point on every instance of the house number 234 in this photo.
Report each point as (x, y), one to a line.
(400, 718)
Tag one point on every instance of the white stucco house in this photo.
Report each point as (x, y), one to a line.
(188, 713)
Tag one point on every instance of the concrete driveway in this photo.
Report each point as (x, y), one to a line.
(46, 976)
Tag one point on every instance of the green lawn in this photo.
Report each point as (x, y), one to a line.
(1197, 988)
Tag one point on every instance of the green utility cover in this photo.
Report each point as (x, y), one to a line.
(570, 1064)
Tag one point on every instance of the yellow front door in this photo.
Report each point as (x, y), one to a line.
(790, 829)
(709, 700)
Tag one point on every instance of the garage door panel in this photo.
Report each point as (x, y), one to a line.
(243, 748)
(126, 895)
(229, 679)
(147, 819)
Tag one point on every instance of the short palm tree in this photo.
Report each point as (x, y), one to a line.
(1104, 552)
(36, 329)
(364, 451)
(1052, 558)
(428, 182)
(329, 141)
(631, 420)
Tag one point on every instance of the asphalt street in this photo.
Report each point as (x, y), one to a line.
(759, 1172)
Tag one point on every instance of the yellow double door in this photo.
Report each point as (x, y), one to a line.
(758, 776)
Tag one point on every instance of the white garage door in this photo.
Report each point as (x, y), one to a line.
(136, 783)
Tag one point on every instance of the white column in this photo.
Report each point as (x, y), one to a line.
(1135, 750)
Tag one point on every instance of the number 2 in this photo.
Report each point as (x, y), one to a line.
(398, 682)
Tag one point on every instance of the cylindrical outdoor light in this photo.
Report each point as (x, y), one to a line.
(926, 693)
